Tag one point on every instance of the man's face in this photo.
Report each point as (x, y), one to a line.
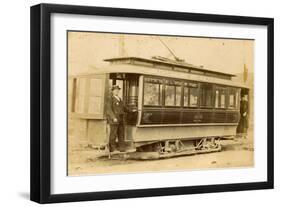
(115, 92)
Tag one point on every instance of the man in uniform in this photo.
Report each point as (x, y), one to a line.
(243, 123)
(116, 110)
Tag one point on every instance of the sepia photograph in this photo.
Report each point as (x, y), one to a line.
(133, 103)
(142, 103)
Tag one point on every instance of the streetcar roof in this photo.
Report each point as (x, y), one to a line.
(157, 61)
(143, 70)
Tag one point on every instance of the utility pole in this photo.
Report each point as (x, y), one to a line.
(122, 51)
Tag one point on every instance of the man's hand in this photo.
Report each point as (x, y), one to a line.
(245, 113)
(134, 110)
(115, 120)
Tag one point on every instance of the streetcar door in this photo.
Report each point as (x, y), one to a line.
(129, 93)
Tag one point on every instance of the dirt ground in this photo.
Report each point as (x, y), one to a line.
(85, 161)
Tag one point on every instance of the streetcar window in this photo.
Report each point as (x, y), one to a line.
(193, 97)
(190, 95)
(237, 99)
(172, 93)
(233, 98)
(178, 95)
(152, 93)
(231, 103)
(217, 99)
(206, 95)
(185, 96)
(220, 99)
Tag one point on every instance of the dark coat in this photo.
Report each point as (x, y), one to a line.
(115, 109)
(243, 122)
(244, 109)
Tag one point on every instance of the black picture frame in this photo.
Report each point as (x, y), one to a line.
(41, 98)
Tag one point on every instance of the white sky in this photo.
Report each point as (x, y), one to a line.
(88, 49)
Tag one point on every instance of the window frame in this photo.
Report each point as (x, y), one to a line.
(234, 91)
(187, 84)
(221, 88)
(180, 84)
(160, 91)
(166, 81)
(201, 94)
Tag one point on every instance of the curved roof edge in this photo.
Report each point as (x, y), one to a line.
(168, 62)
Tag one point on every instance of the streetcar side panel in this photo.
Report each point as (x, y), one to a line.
(190, 117)
(149, 134)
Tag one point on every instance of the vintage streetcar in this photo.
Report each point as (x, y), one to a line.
(181, 108)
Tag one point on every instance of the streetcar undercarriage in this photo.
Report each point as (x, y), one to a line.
(169, 148)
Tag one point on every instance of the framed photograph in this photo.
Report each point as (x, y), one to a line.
(132, 103)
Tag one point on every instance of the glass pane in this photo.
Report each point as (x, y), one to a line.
(185, 96)
(178, 95)
(193, 97)
(237, 99)
(160, 96)
(222, 101)
(151, 94)
(231, 100)
(217, 99)
(206, 97)
(170, 95)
